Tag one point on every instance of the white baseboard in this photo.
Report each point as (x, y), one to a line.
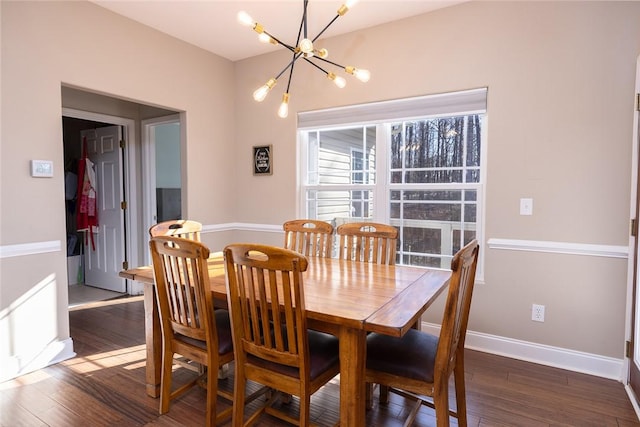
(53, 353)
(571, 360)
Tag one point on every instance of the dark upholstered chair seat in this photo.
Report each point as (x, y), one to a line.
(323, 354)
(412, 356)
(223, 327)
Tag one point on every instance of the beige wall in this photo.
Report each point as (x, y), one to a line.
(560, 78)
(49, 44)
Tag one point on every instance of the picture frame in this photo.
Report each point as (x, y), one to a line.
(262, 159)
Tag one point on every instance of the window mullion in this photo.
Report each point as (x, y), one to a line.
(381, 193)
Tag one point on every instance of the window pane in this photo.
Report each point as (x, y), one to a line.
(473, 140)
(312, 160)
(431, 222)
(437, 150)
(339, 206)
(433, 176)
(343, 156)
(424, 261)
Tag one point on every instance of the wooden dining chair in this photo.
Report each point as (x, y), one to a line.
(368, 242)
(420, 364)
(190, 326)
(310, 237)
(185, 228)
(270, 336)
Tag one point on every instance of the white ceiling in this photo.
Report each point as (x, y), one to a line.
(212, 24)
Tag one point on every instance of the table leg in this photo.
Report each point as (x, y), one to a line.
(153, 340)
(352, 388)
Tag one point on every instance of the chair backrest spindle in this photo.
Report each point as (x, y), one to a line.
(309, 237)
(368, 242)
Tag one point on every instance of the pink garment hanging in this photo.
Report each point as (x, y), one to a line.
(87, 219)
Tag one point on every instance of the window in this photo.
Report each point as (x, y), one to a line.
(417, 165)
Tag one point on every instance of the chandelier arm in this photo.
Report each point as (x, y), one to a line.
(303, 23)
(290, 64)
(325, 28)
(291, 48)
(316, 65)
(330, 62)
(293, 64)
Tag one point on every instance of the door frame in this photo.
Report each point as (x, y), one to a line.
(149, 168)
(632, 324)
(131, 237)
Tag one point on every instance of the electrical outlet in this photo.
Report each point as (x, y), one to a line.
(537, 313)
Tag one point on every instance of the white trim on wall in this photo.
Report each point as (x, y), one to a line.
(240, 226)
(55, 352)
(23, 249)
(607, 251)
(577, 361)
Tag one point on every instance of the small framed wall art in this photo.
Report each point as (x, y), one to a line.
(262, 160)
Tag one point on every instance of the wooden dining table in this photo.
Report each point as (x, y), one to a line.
(345, 298)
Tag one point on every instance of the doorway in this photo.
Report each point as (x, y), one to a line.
(95, 109)
(94, 255)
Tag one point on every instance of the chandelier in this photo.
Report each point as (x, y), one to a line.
(303, 49)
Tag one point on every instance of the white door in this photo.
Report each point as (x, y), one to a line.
(161, 170)
(102, 265)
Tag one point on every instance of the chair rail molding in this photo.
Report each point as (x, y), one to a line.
(241, 226)
(22, 249)
(608, 251)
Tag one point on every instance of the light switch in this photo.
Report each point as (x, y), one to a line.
(526, 206)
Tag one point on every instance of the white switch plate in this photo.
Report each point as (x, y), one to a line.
(42, 168)
(526, 206)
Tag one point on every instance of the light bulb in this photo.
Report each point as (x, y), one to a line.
(340, 82)
(283, 111)
(362, 75)
(261, 93)
(245, 19)
(337, 80)
(264, 38)
(346, 6)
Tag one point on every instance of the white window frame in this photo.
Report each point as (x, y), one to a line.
(382, 114)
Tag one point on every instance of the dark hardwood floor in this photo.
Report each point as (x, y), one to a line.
(104, 386)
